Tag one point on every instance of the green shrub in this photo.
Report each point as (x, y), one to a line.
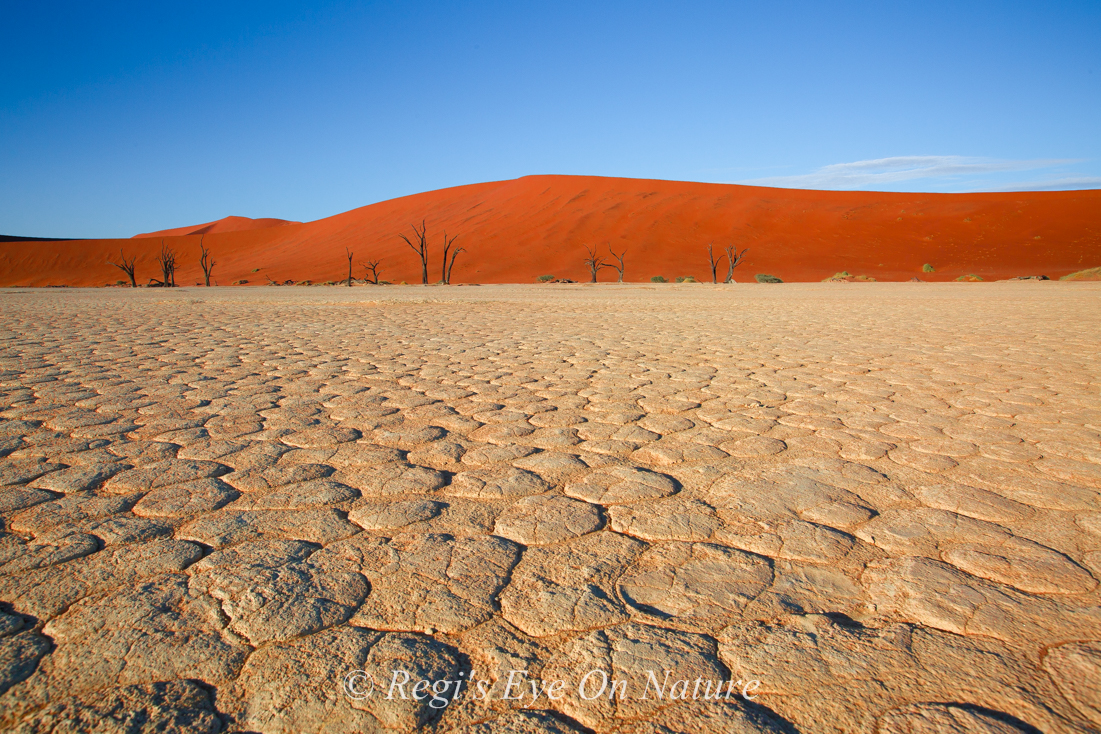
(687, 279)
(969, 278)
(545, 278)
(1088, 274)
(762, 278)
(658, 279)
(927, 268)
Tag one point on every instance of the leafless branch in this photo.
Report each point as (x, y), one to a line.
(168, 266)
(620, 258)
(372, 266)
(205, 261)
(450, 265)
(594, 263)
(421, 248)
(733, 257)
(714, 263)
(445, 273)
(126, 266)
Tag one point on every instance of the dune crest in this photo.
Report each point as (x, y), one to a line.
(226, 224)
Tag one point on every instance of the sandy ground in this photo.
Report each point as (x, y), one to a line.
(879, 501)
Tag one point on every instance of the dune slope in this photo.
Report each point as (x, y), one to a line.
(514, 231)
(226, 224)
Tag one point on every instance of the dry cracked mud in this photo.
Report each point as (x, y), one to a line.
(643, 508)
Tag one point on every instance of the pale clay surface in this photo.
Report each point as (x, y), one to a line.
(880, 501)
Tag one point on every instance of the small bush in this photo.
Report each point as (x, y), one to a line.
(762, 278)
(256, 270)
(545, 278)
(1088, 274)
(969, 278)
(687, 279)
(927, 268)
(658, 279)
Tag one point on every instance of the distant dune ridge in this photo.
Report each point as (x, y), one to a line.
(514, 231)
(228, 224)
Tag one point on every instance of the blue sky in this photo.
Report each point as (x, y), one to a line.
(117, 118)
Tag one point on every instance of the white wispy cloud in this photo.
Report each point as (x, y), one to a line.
(889, 172)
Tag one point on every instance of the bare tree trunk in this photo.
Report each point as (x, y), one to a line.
(445, 273)
(349, 266)
(733, 257)
(620, 258)
(714, 265)
(450, 265)
(126, 266)
(206, 263)
(421, 248)
(168, 266)
(371, 265)
(594, 263)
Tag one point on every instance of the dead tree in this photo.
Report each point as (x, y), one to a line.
(446, 274)
(421, 248)
(594, 263)
(372, 266)
(733, 257)
(620, 258)
(349, 266)
(714, 263)
(206, 263)
(126, 266)
(168, 266)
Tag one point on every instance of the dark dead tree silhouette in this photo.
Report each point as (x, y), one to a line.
(714, 264)
(733, 257)
(206, 262)
(594, 263)
(620, 258)
(167, 259)
(372, 267)
(445, 276)
(126, 266)
(421, 248)
(349, 266)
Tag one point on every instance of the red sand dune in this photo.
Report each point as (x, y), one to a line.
(515, 231)
(228, 224)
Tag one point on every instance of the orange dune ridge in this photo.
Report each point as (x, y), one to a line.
(514, 231)
(228, 224)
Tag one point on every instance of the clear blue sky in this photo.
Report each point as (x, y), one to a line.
(117, 118)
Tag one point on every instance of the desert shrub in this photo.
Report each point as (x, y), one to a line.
(545, 278)
(658, 279)
(969, 278)
(927, 268)
(1087, 274)
(763, 278)
(687, 279)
